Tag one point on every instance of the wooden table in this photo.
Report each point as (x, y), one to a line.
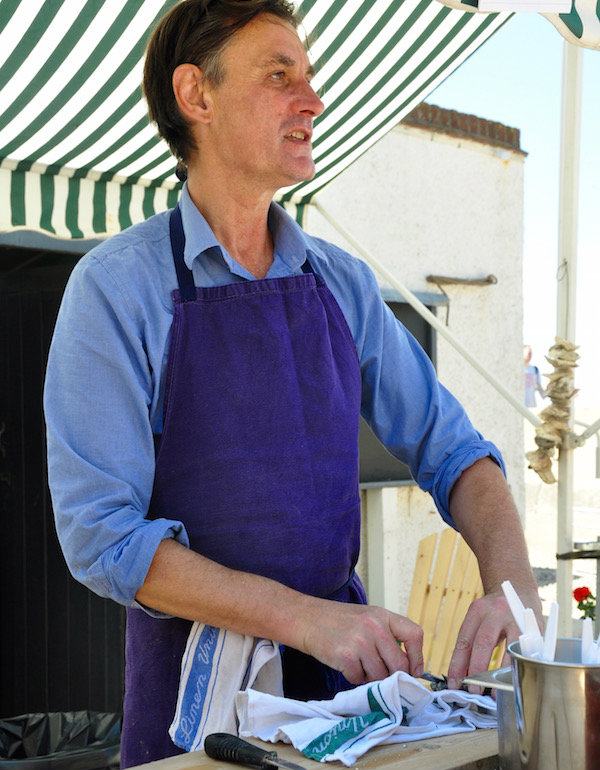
(476, 750)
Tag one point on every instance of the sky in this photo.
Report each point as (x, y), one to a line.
(515, 78)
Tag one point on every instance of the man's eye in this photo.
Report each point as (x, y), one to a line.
(278, 75)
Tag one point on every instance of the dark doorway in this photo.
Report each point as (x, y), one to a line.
(61, 647)
(378, 467)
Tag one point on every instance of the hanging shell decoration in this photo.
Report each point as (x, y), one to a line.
(555, 418)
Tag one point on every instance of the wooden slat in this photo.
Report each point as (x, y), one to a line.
(470, 590)
(498, 654)
(444, 638)
(437, 589)
(420, 584)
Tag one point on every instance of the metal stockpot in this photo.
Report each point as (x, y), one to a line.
(557, 708)
(549, 718)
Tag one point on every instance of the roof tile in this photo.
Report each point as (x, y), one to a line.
(438, 119)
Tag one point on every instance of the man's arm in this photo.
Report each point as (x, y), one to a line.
(360, 641)
(422, 424)
(485, 514)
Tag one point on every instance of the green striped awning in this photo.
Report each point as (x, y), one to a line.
(78, 157)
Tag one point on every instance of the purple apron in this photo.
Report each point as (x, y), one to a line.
(259, 459)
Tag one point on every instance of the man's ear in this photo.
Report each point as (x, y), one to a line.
(191, 94)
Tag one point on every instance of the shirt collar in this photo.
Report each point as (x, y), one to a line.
(198, 235)
(289, 239)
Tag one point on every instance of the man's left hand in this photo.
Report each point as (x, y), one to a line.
(488, 622)
(486, 516)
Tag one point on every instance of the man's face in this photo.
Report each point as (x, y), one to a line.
(264, 108)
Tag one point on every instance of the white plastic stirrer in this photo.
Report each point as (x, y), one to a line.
(589, 649)
(531, 641)
(515, 604)
(549, 649)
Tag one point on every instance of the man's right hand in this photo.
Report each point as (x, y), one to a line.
(359, 640)
(362, 641)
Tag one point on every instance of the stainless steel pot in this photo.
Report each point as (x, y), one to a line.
(508, 745)
(548, 712)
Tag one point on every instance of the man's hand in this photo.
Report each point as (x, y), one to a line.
(485, 514)
(363, 641)
(488, 621)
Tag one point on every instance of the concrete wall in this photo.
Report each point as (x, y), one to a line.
(425, 202)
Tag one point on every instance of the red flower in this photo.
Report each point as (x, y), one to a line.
(581, 593)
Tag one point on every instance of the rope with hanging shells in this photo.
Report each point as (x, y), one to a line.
(555, 418)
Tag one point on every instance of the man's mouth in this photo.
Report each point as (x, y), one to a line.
(297, 136)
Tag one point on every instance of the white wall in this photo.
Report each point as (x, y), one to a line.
(424, 203)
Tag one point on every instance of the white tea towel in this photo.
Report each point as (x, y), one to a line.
(394, 710)
(215, 666)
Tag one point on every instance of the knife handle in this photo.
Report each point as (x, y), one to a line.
(230, 748)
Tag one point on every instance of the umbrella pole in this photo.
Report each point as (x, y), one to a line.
(566, 298)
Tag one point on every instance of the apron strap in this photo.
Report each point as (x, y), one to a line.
(185, 278)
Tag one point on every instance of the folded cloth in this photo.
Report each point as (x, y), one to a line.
(396, 709)
(217, 664)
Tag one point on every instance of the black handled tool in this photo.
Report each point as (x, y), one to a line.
(230, 748)
(437, 683)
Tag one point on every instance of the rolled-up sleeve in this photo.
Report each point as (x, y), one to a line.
(98, 390)
(409, 410)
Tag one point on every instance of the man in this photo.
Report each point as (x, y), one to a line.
(533, 379)
(246, 350)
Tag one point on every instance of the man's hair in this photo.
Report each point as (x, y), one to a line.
(195, 32)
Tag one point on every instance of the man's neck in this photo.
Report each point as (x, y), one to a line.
(238, 221)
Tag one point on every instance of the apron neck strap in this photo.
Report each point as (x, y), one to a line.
(185, 278)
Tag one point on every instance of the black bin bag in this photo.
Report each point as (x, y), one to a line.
(68, 740)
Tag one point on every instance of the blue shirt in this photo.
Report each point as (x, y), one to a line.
(105, 384)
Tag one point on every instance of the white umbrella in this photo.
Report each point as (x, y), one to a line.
(579, 23)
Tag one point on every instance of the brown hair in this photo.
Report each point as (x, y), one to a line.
(195, 32)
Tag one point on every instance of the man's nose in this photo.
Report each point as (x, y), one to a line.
(310, 101)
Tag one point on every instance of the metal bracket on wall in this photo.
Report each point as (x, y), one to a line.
(441, 280)
(447, 279)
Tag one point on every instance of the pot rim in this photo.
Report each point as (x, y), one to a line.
(517, 655)
(491, 679)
